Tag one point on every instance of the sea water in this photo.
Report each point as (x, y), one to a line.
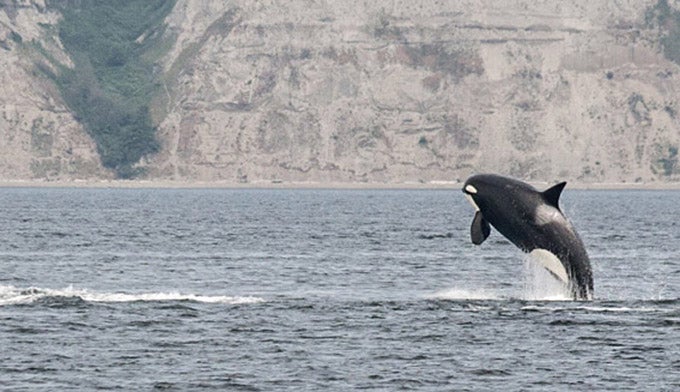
(258, 290)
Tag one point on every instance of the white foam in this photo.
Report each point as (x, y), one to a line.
(10, 295)
(621, 309)
(457, 294)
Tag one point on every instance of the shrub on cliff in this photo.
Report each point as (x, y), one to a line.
(667, 20)
(113, 45)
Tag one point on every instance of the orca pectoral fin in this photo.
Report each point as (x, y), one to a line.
(480, 229)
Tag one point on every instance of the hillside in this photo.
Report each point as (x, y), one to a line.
(393, 92)
(39, 136)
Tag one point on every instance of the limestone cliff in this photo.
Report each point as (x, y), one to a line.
(395, 91)
(39, 137)
(384, 91)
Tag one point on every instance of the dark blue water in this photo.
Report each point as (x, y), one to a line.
(125, 289)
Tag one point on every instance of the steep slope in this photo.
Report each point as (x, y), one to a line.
(112, 80)
(39, 137)
(417, 91)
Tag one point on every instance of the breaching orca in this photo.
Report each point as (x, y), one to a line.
(531, 220)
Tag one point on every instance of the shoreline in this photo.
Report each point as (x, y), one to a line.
(170, 184)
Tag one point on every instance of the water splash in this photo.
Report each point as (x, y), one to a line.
(10, 295)
(540, 285)
(458, 294)
(537, 285)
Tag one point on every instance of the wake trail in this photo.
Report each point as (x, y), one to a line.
(10, 295)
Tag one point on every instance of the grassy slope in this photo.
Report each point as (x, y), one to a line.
(114, 45)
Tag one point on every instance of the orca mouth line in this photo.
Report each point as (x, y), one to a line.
(472, 201)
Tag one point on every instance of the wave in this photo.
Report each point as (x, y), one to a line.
(10, 295)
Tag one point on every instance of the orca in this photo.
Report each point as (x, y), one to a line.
(533, 221)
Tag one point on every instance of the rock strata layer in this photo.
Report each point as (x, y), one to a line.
(378, 92)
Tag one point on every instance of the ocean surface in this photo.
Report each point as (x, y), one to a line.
(303, 290)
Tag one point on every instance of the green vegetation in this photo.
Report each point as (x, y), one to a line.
(114, 46)
(667, 164)
(16, 37)
(667, 20)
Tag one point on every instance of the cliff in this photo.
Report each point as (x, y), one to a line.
(39, 137)
(396, 91)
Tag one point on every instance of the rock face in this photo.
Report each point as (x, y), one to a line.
(39, 137)
(386, 91)
(396, 91)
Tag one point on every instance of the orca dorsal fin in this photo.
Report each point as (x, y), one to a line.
(552, 194)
